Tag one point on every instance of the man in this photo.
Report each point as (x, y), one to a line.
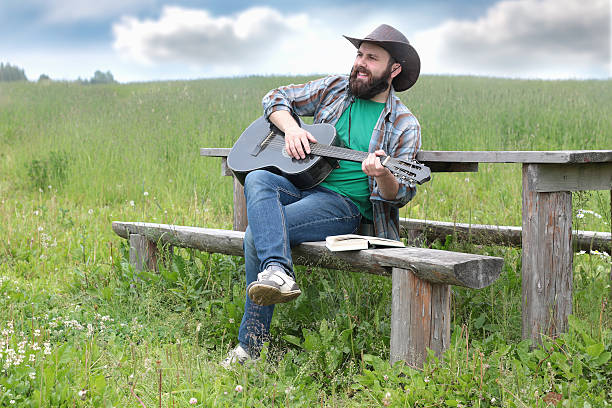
(368, 116)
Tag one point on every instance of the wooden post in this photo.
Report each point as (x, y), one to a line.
(240, 215)
(420, 317)
(143, 253)
(547, 258)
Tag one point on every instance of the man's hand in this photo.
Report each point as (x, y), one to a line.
(297, 142)
(387, 184)
(372, 165)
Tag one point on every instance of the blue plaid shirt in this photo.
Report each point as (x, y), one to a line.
(397, 132)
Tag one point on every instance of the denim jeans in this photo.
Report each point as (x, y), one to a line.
(280, 216)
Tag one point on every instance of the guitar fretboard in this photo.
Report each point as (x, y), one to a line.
(338, 152)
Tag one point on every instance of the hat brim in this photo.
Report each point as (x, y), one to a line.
(403, 53)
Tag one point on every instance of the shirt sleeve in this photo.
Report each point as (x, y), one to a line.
(301, 100)
(405, 148)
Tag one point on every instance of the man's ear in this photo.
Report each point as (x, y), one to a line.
(395, 71)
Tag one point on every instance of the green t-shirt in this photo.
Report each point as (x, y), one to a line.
(348, 179)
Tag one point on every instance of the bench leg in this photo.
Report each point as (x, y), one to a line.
(547, 259)
(420, 317)
(240, 214)
(143, 253)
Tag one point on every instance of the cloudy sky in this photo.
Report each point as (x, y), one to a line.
(144, 40)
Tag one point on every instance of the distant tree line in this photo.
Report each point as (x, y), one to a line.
(10, 72)
(101, 78)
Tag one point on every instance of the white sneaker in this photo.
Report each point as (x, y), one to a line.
(273, 286)
(236, 356)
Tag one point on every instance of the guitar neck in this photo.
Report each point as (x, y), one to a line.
(338, 152)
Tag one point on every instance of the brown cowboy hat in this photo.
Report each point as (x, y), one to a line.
(400, 49)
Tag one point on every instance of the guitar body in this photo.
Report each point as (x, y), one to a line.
(260, 147)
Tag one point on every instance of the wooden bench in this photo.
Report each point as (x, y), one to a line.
(421, 277)
(548, 178)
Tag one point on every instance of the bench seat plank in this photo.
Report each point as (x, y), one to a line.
(453, 268)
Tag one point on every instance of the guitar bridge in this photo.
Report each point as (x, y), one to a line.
(262, 145)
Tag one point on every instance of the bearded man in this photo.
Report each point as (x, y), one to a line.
(364, 197)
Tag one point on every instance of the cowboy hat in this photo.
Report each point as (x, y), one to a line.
(397, 45)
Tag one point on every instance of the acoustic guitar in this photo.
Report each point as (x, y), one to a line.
(262, 146)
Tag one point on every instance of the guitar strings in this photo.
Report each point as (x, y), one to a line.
(354, 155)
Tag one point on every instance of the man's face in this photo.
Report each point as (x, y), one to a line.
(371, 72)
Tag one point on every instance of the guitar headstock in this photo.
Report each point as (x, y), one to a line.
(412, 172)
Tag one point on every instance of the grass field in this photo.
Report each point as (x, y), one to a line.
(81, 328)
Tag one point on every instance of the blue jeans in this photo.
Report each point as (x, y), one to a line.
(280, 216)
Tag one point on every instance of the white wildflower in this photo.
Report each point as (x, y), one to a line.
(90, 211)
(193, 401)
(238, 388)
(146, 193)
(132, 203)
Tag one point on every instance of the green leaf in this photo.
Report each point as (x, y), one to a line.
(98, 384)
(478, 323)
(603, 358)
(311, 341)
(595, 350)
(451, 403)
(293, 340)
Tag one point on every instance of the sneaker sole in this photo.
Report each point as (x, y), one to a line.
(265, 295)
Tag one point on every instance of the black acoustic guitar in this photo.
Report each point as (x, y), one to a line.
(262, 146)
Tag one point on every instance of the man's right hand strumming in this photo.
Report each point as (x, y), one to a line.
(297, 140)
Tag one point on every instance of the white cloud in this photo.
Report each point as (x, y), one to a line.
(258, 40)
(513, 38)
(523, 38)
(195, 36)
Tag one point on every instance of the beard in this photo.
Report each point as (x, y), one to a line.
(370, 88)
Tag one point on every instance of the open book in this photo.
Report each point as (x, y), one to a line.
(351, 242)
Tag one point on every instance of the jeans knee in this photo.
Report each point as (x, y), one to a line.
(255, 180)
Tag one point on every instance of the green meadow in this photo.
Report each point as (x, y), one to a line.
(80, 328)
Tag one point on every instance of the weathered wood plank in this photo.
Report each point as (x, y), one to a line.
(455, 268)
(509, 156)
(547, 260)
(450, 167)
(575, 177)
(559, 156)
(225, 170)
(495, 234)
(420, 317)
(440, 318)
(215, 151)
(143, 253)
(240, 213)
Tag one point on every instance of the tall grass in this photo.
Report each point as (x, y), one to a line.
(73, 158)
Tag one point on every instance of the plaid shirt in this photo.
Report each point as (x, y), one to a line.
(397, 132)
